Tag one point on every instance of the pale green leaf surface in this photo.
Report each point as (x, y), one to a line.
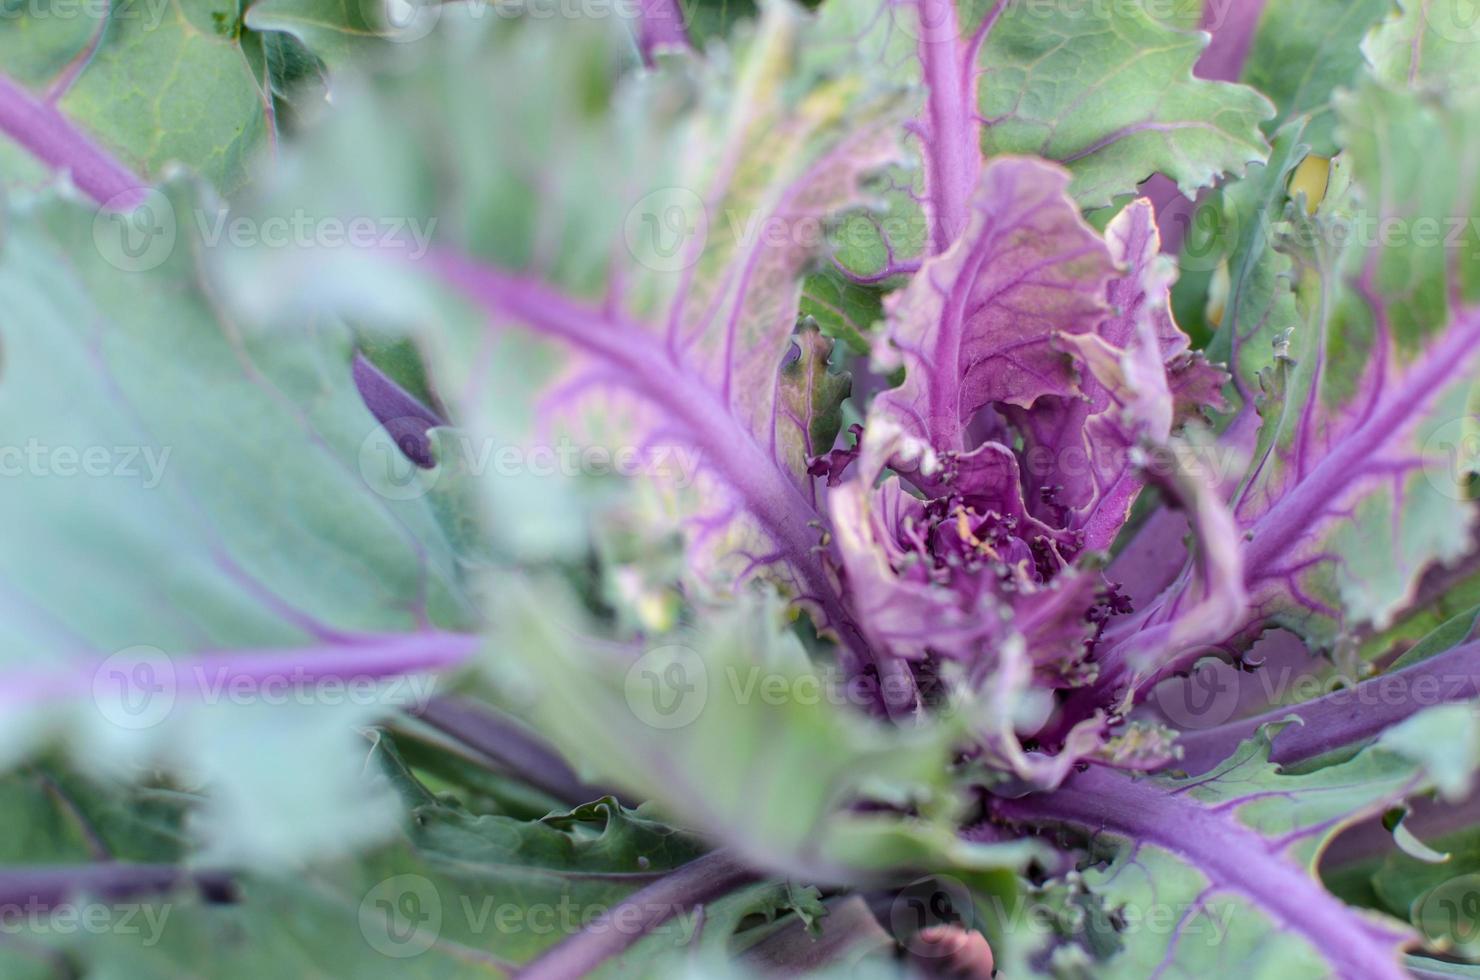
(1169, 914)
(228, 506)
(1432, 45)
(1382, 357)
(1304, 51)
(732, 733)
(1107, 90)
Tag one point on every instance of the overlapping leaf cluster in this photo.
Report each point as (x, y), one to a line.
(934, 499)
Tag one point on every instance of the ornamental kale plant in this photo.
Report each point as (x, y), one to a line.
(899, 488)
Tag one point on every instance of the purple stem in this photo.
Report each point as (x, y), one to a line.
(372, 657)
(952, 148)
(54, 140)
(389, 655)
(1357, 456)
(43, 887)
(727, 448)
(1352, 459)
(1344, 718)
(1234, 858)
(64, 82)
(512, 746)
(621, 926)
(404, 418)
(660, 26)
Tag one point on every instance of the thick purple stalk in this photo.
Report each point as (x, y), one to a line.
(1234, 858)
(43, 887)
(660, 26)
(51, 138)
(1359, 455)
(1398, 407)
(952, 147)
(725, 447)
(511, 746)
(370, 657)
(624, 924)
(377, 656)
(404, 418)
(1344, 718)
(651, 371)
